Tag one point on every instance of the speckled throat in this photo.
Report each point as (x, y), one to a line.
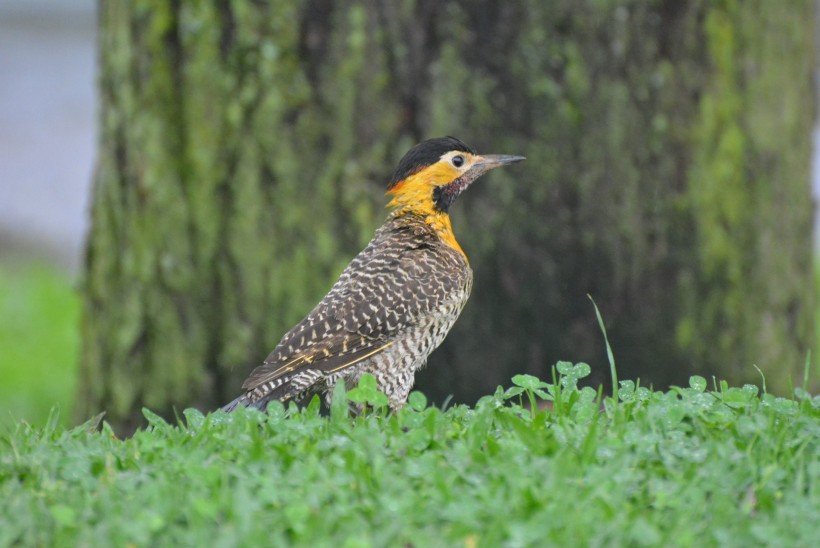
(445, 195)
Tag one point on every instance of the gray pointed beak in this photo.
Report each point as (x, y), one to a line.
(481, 165)
(490, 161)
(487, 162)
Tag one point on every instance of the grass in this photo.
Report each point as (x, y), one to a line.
(540, 463)
(39, 337)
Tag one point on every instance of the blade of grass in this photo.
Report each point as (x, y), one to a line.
(609, 354)
(762, 377)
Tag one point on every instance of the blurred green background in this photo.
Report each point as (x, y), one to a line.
(39, 335)
(47, 139)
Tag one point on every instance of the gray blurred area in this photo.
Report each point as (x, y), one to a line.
(47, 127)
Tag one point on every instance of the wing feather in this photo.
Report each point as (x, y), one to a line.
(384, 291)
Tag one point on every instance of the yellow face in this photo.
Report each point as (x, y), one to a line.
(430, 190)
(415, 192)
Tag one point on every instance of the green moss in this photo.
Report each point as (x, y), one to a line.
(735, 310)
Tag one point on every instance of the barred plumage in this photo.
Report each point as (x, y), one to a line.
(396, 301)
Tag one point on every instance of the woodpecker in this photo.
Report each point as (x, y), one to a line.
(396, 300)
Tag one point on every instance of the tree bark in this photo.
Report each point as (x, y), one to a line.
(245, 147)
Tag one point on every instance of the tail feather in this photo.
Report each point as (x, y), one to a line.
(245, 400)
(292, 387)
(235, 403)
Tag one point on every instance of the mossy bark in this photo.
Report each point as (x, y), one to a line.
(244, 147)
(232, 186)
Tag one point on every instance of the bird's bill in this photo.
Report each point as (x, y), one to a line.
(482, 165)
(491, 161)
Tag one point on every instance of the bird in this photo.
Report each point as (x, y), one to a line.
(396, 300)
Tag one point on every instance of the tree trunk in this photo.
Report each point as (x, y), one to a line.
(245, 147)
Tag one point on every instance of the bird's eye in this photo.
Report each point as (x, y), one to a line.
(458, 161)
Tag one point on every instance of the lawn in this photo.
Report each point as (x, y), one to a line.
(540, 463)
(39, 313)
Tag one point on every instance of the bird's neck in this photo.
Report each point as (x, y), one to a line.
(414, 196)
(437, 220)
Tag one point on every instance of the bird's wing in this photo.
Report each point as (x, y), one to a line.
(378, 296)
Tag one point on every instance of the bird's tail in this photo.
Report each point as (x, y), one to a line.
(245, 401)
(233, 405)
(284, 389)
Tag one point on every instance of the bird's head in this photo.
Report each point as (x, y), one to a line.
(434, 172)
